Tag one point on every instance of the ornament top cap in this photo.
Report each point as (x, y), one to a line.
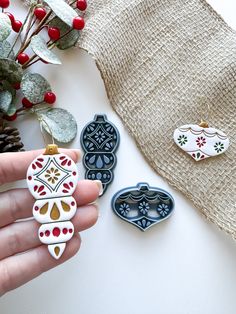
(51, 149)
(204, 124)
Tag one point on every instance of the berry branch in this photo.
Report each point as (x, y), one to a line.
(63, 21)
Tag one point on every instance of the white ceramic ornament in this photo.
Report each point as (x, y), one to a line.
(200, 141)
(52, 178)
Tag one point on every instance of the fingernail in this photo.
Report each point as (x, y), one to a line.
(100, 187)
(78, 154)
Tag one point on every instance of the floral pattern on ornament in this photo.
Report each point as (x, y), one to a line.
(143, 207)
(201, 141)
(99, 137)
(182, 139)
(219, 147)
(124, 209)
(163, 210)
(52, 175)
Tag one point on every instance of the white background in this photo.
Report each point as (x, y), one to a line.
(183, 266)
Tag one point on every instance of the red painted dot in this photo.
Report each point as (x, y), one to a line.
(70, 230)
(74, 173)
(29, 178)
(56, 232)
(36, 208)
(65, 230)
(47, 233)
(41, 234)
(72, 203)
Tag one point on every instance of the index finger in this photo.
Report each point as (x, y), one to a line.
(13, 166)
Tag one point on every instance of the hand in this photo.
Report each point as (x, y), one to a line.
(22, 236)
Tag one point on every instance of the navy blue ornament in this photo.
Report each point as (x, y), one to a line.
(100, 139)
(142, 205)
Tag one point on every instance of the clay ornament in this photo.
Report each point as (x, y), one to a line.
(52, 178)
(100, 140)
(200, 141)
(143, 206)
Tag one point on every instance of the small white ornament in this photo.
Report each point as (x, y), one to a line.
(52, 178)
(200, 141)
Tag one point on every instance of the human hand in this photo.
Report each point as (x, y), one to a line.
(22, 236)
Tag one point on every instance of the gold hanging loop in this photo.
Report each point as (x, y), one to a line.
(204, 118)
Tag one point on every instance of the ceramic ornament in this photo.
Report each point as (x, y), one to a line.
(52, 178)
(143, 206)
(100, 140)
(201, 141)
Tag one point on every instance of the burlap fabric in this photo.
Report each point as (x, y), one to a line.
(166, 63)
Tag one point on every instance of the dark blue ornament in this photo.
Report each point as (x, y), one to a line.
(142, 205)
(100, 139)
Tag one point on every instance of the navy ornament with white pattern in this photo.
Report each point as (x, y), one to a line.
(100, 140)
(142, 205)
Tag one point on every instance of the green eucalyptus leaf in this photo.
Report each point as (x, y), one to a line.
(12, 109)
(62, 10)
(7, 86)
(5, 26)
(5, 48)
(34, 86)
(60, 124)
(5, 100)
(10, 70)
(39, 47)
(70, 39)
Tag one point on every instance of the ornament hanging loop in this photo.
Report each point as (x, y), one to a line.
(204, 118)
(41, 121)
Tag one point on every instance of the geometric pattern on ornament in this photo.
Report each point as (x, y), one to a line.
(52, 179)
(52, 176)
(52, 167)
(100, 139)
(201, 142)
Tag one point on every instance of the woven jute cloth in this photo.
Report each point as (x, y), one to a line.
(166, 63)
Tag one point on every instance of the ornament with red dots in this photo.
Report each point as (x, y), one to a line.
(52, 179)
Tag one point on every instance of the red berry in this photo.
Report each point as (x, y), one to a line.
(11, 17)
(22, 58)
(11, 118)
(16, 25)
(16, 86)
(78, 23)
(40, 13)
(81, 5)
(4, 4)
(54, 33)
(26, 103)
(50, 98)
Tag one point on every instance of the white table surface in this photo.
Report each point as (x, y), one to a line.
(183, 266)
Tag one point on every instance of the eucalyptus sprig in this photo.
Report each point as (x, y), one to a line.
(63, 21)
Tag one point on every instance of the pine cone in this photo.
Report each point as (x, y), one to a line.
(10, 140)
